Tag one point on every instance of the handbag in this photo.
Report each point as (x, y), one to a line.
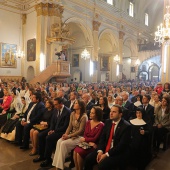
(40, 127)
(84, 145)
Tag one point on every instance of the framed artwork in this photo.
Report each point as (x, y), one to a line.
(104, 64)
(8, 55)
(132, 69)
(31, 50)
(75, 60)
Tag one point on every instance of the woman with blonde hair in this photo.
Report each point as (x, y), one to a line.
(4, 107)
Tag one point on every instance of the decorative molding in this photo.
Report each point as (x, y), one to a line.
(96, 25)
(47, 9)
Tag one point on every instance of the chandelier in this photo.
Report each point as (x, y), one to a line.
(85, 54)
(162, 35)
(116, 59)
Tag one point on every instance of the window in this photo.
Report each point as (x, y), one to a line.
(131, 8)
(110, 2)
(146, 19)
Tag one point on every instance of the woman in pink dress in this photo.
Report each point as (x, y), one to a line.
(91, 136)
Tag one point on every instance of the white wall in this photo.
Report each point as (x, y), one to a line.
(9, 33)
(30, 33)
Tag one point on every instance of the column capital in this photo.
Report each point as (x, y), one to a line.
(96, 25)
(47, 9)
(121, 35)
(24, 19)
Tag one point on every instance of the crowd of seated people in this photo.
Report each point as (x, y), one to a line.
(99, 124)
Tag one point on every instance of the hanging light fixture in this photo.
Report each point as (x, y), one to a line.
(116, 59)
(20, 53)
(162, 35)
(85, 54)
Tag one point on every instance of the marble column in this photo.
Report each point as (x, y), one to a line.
(165, 71)
(47, 15)
(121, 39)
(95, 57)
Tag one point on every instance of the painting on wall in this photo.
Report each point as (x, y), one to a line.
(31, 50)
(75, 60)
(8, 55)
(104, 64)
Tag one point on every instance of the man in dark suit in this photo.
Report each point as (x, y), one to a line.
(89, 104)
(149, 110)
(31, 117)
(127, 104)
(125, 112)
(61, 94)
(48, 138)
(113, 146)
(72, 99)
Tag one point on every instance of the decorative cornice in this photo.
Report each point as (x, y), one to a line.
(49, 9)
(96, 25)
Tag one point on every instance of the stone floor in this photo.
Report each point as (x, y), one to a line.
(12, 158)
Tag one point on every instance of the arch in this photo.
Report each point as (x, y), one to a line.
(143, 72)
(112, 37)
(30, 73)
(132, 45)
(152, 72)
(84, 27)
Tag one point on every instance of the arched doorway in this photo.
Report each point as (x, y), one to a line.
(77, 76)
(30, 73)
(143, 75)
(154, 72)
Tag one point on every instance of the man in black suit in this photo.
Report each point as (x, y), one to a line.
(48, 138)
(31, 117)
(70, 103)
(127, 104)
(149, 110)
(112, 151)
(61, 94)
(125, 112)
(89, 104)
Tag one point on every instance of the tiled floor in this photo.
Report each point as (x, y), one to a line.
(12, 158)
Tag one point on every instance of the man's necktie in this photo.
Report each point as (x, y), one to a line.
(110, 138)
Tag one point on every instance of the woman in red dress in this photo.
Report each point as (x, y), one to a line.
(91, 136)
(7, 99)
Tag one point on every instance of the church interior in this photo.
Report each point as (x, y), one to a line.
(82, 41)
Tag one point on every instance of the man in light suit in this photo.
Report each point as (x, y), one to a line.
(116, 154)
(48, 139)
(31, 117)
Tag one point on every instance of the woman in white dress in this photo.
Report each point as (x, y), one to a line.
(71, 138)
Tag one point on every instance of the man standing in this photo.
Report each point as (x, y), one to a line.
(31, 117)
(89, 104)
(72, 99)
(48, 138)
(113, 146)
